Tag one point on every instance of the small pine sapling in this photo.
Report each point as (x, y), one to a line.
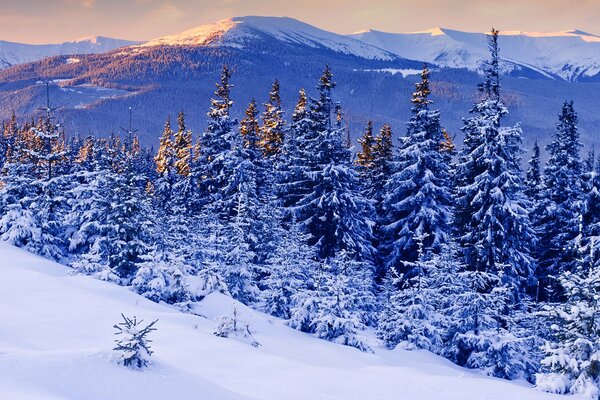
(231, 325)
(133, 349)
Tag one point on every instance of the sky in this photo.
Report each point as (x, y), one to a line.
(51, 21)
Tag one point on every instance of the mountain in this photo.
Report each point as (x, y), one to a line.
(18, 53)
(178, 72)
(571, 55)
(241, 32)
(57, 337)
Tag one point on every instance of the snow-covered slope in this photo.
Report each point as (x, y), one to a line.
(18, 53)
(568, 55)
(56, 337)
(242, 31)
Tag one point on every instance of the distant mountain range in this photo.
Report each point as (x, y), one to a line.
(375, 72)
(569, 55)
(19, 53)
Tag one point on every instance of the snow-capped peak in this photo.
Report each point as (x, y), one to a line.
(241, 31)
(568, 54)
(201, 35)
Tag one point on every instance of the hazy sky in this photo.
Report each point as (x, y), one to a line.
(46, 21)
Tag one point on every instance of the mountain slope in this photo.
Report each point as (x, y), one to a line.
(165, 76)
(18, 53)
(240, 32)
(569, 55)
(56, 335)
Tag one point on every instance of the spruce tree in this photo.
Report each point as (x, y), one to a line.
(410, 314)
(292, 181)
(590, 242)
(492, 220)
(289, 268)
(182, 143)
(32, 200)
(365, 157)
(165, 159)
(273, 126)
(383, 163)
(162, 276)
(216, 141)
(334, 212)
(572, 356)
(561, 206)
(534, 176)
(418, 198)
(339, 304)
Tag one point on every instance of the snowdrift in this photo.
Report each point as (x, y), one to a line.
(56, 336)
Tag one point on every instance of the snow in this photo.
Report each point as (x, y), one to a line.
(568, 54)
(239, 32)
(57, 334)
(18, 53)
(394, 71)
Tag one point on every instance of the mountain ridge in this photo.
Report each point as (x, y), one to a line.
(14, 53)
(570, 55)
(94, 91)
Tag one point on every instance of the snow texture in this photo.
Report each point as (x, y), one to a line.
(57, 333)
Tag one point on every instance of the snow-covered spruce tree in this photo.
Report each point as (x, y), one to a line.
(165, 159)
(587, 172)
(174, 197)
(273, 126)
(534, 176)
(383, 162)
(334, 212)
(8, 139)
(132, 223)
(240, 268)
(338, 305)
(182, 143)
(33, 204)
(292, 171)
(572, 362)
(18, 224)
(186, 189)
(133, 347)
(46, 150)
(418, 198)
(240, 211)
(161, 276)
(111, 218)
(410, 314)
(365, 157)
(590, 242)
(216, 141)
(561, 206)
(482, 330)
(491, 213)
(232, 326)
(290, 267)
(210, 244)
(250, 131)
(337, 217)
(90, 209)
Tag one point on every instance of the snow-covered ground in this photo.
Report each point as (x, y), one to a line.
(56, 335)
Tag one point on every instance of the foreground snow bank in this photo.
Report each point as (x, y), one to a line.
(56, 337)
